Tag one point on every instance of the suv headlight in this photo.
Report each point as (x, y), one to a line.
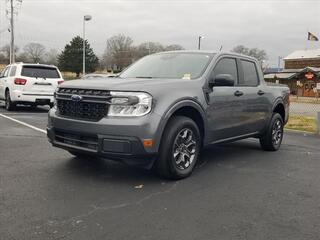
(129, 104)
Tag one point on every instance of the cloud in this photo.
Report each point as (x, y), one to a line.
(279, 27)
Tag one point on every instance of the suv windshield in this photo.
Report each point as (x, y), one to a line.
(169, 65)
(39, 71)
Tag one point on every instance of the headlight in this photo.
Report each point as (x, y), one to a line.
(129, 104)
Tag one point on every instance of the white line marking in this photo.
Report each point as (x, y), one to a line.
(24, 124)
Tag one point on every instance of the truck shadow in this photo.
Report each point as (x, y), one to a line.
(111, 171)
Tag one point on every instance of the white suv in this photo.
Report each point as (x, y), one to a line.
(31, 84)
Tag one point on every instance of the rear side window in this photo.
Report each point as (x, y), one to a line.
(39, 71)
(13, 71)
(250, 75)
(226, 66)
(5, 72)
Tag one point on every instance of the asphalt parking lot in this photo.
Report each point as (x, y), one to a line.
(238, 191)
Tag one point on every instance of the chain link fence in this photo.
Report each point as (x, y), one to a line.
(304, 114)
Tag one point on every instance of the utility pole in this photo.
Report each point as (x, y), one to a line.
(12, 52)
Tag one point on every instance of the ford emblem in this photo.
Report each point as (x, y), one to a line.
(76, 98)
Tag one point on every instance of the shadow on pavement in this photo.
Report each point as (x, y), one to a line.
(112, 171)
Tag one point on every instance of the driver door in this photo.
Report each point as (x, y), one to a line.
(226, 104)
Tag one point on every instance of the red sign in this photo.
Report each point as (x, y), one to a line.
(309, 75)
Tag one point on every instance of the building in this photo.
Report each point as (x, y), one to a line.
(301, 73)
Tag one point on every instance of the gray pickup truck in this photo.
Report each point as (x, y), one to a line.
(164, 108)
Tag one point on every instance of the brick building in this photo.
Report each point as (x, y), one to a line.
(301, 72)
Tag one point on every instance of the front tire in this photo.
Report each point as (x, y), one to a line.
(272, 138)
(9, 105)
(179, 148)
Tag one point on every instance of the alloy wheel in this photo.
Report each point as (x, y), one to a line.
(184, 150)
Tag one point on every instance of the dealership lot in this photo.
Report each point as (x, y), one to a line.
(238, 191)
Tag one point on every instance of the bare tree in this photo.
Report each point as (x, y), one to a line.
(119, 52)
(35, 52)
(173, 47)
(51, 57)
(147, 48)
(6, 51)
(253, 52)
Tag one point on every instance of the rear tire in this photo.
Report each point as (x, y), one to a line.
(179, 149)
(9, 105)
(272, 138)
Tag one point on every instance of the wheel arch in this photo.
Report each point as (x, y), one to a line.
(188, 108)
(278, 107)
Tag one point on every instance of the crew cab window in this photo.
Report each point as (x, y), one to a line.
(226, 66)
(13, 71)
(250, 74)
(39, 71)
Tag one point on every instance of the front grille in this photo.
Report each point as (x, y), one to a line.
(92, 106)
(83, 141)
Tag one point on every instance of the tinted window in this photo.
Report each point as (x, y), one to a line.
(226, 66)
(13, 71)
(39, 71)
(250, 74)
(169, 65)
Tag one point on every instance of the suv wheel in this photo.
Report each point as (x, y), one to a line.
(9, 105)
(179, 149)
(272, 138)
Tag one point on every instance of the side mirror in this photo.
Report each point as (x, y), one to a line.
(222, 80)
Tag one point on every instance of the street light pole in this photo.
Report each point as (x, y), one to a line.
(85, 18)
(199, 42)
(12, 52)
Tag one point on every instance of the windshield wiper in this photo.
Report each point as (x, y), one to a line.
(143, 77)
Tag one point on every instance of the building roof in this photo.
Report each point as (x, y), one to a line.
(279, 75)
(290, 73)
(303, 54)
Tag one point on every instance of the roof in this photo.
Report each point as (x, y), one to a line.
(303, 54)
(32, 64)
(290, 73)
(279, 75)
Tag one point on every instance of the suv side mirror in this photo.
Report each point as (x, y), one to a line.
(222, 80)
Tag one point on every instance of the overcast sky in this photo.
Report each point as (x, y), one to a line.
(279, 27)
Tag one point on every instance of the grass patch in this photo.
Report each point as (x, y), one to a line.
(302, 123)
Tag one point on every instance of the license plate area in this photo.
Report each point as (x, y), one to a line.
(42, 101)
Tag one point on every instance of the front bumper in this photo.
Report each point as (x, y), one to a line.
(113, 138)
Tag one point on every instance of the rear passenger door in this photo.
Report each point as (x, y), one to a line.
(256, 104)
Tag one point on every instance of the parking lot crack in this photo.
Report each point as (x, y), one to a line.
(74, 221)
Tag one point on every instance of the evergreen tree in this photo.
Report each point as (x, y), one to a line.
(71, 57)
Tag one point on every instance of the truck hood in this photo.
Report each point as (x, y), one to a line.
(127, 84)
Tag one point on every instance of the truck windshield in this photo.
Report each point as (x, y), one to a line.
(169, 65)
(39, 72)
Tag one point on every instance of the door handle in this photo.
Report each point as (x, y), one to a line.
(238, 93)
(260, 92)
